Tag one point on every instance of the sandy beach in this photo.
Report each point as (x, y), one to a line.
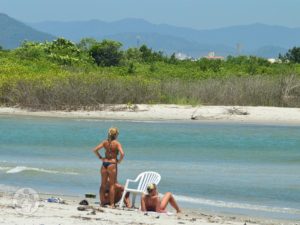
(67, 213)
(249, 114)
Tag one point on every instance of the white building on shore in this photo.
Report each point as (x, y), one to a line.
(212, 56)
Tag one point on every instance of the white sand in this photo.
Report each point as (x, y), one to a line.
(56, 213)
(175, 112)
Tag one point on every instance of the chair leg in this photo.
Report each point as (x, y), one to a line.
(133, 200)
(122, 199)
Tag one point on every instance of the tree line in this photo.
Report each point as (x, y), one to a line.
(64, 75)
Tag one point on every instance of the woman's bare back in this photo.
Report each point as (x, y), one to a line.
(111, 150)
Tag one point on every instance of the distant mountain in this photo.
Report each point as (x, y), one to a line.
(168, 44)
(269, 51)
(13, 32)
(259, 39)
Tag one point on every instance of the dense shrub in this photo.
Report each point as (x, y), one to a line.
(293, 55)
(64, 75)
(106, 53)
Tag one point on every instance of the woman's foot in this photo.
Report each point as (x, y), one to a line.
(112, 206)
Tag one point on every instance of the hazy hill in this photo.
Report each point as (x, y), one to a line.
(13, 32)
(258, 39)
(169, 44)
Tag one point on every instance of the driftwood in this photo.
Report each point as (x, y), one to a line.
(237, 111)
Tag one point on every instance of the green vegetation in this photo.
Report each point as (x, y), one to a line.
(293, 55)
(106, 53)
(68, 76)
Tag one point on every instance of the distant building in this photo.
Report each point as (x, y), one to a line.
(182, 56)
(212, 56)
(272, 60)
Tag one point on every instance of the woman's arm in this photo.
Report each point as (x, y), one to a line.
(97, 148)
(143, 204)
(121, 152)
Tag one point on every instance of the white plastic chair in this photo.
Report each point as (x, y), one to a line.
(144, 180)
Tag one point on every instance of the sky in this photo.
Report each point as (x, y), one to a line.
(198, 14)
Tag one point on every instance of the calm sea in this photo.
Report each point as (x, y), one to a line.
(228, 168)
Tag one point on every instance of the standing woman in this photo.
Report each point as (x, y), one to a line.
(109, 164)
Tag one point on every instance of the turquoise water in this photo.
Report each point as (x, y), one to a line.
(231, 168)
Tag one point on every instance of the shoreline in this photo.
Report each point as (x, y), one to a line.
(56, 213)
(142, 112)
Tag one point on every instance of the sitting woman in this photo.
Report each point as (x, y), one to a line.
(118, 195)
(152, 202)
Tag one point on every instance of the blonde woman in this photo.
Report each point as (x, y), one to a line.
(109, 164)
(152, 202)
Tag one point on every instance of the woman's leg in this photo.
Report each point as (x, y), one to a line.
(168, 197)
(118, 194)
(127, 200)
(112, 174)
(104, 176)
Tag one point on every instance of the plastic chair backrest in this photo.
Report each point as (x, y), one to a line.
(147, 178)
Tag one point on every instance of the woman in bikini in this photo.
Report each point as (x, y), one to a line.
(109, 164)
(152, 202)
